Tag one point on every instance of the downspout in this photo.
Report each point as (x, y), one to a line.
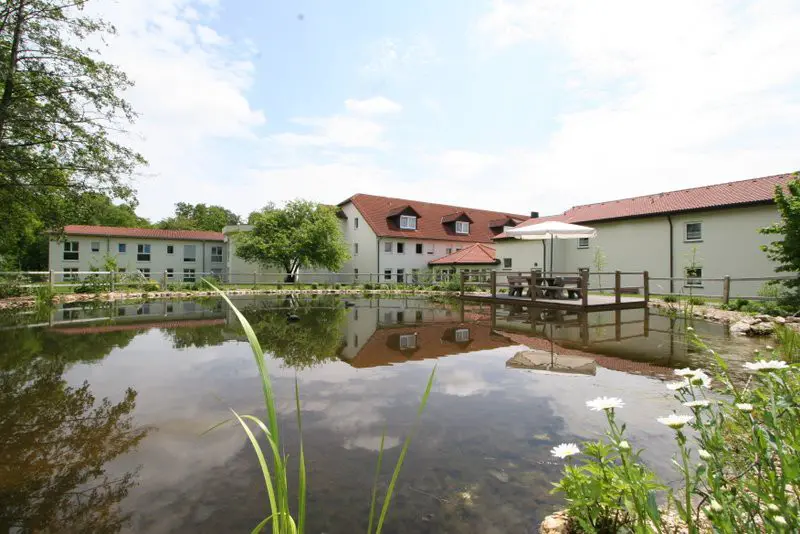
(203, 263)
(544, 256)
(378, 253)
(671, 256)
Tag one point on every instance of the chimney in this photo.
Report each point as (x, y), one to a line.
(534, 215)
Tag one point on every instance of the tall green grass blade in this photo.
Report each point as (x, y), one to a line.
(216, 426)
(301, 495)
(262, 462)
(259, 527)
(390, 490)
(375, 484)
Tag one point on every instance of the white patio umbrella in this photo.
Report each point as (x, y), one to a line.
(552, 230)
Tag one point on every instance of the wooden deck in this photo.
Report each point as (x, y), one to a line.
(595, 302)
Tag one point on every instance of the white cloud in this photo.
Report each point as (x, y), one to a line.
(378, 105)
(336, 130)
(392, 57)
(209, 36)
(695, 93)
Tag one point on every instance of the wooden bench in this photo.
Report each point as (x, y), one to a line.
(570, 284)
(515, 285)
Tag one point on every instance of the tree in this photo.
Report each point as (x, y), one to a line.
(98, 209)
(786, 251)
(302, 235)
(60, 116)
(199, 217)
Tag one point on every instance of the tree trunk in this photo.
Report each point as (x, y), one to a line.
(8, 83)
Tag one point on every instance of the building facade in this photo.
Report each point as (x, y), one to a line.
(693, 234)
(178, 255)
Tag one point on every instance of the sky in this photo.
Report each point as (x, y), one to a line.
(511, 105)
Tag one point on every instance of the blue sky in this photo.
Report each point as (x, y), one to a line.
(514, 105)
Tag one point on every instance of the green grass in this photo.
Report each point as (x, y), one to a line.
(276, 483)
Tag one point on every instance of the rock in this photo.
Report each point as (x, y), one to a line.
(554, 524)
(764, 318)
(761, 329)
(792, 319)
(741, 328)
(750, 319)
(499, 475)
(779, 320)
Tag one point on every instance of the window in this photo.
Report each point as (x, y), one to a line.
(694, 276)
(387, 247)
(462, 227)
(143, 253)
(419, 248)
(122, 248)
(355, 274)
(70, 273)
(170, 274)
(121, 311)
(355, 340)
(190, 255)
(145, 272)
(121, 270)
(401, 276)
(355, 223)
(170, 249)
(387, 274)
(71, 250)
(694, 231)
(355, 249)
(95, 246)
(448, 250)
(216, 254)
(408, 222)
(216, 273)
(431, 248)
(414, 276)
(583, 242)
(462, 335)
(408, 341)
(170, 308)
(401, 248)
(188, 275)
(506, 263)
(355, 314)
(418, 316)
(401, 317)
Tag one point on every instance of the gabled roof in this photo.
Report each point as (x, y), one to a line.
(457, 216)
(475, 254)
(730, 194)
(402, 210)
(376, 209)
(144, 233)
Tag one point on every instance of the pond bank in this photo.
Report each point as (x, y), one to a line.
(739, 323)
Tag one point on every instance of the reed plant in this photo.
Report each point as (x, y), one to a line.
(282, 519)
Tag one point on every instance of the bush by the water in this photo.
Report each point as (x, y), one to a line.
(737, 455)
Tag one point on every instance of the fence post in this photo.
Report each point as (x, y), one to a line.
(646, 282)
(112, 274)
(463, 274)
(254, 279)
(726, 290)
(617, 287)
(532, 286)
(52, 280)
(584, 274)
(164, 280)
(493, 281)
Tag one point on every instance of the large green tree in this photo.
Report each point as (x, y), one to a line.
(61, 116)
(302, 235)
(199, 217)
(786, 250)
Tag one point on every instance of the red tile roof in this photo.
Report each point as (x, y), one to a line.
(375, 211)
(147, 233)
(474, 254)
(741, 193)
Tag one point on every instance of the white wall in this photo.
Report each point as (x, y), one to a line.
(159, 262)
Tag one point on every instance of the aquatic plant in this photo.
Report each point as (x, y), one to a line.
(738, 455)
(281, 519)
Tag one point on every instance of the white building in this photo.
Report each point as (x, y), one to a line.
(394, 240)
(181, 255)
(699, 233)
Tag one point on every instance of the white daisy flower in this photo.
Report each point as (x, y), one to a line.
(675, 421)
(689, 329)
(624, 445)
(715, 506)
(704, 454)
(779, 519)
(769, 347)
(675, 386)
(564, 450)
(685, 372)
(701, 403)
(772, 507)
(604, 403)
(765, 365)
(745, 407)
(700, 379)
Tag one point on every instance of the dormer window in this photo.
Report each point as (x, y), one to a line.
(408, 222)
(462, 227)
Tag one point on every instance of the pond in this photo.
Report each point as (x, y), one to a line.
(104, 408)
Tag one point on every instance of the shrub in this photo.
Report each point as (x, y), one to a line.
(670, 299)
(696, 301)
(94, 283)
(151, 286)
(12, 287)
(368, 286)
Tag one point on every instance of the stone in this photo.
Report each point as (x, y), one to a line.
(761, 329)
(792, 319)
(555, 524)
(750, 319)
(741, 328)
(779, 320)
(763, 318)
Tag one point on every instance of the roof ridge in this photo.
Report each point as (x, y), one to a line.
(505, 213)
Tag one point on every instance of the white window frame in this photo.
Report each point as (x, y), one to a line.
(462, 227)
(431, 248)
(93, 248)
(448, 251)
(122, 248)
(695, 280)
(400, 245)
(401, 276)
(419, 248)
(216, 258)
(583, 242)
(145, 272)
(170, 250)
(408, 222)
(507, 263)
(71, 247)
(408, 341)
(143, 252)
(355, 223)
(355, 249)
(686, 237)
(193, 258)
(387, 247)
(387, 274)
(461, 335)
(189, 275)
(70, 274)
(170, 273)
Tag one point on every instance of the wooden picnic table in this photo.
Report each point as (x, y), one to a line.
(556, 286)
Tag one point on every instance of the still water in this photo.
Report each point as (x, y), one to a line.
(103, 409)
